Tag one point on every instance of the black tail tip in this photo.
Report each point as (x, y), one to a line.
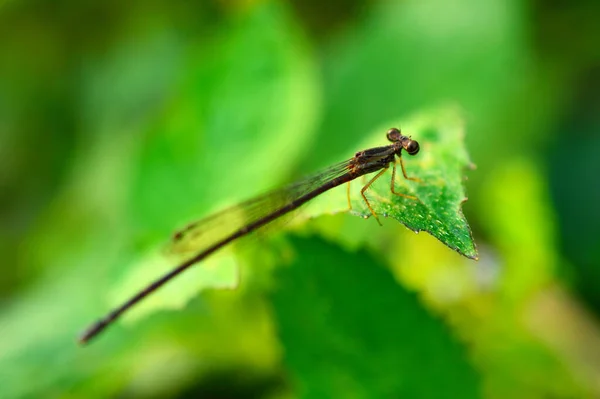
(90, 332)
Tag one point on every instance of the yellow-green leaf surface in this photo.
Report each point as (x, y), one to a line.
(440, 166)
(440, 194)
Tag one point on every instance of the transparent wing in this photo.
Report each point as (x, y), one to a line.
(208, 231)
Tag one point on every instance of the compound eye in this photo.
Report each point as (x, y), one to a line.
(394, 134)
(412, 147)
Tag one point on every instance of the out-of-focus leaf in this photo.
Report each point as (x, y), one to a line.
(220, 272)
(518, 192)
(222, 137)
(349, 330)
(219, 142)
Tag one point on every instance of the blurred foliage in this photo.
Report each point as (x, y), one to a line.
(122, 121)
(361, 327)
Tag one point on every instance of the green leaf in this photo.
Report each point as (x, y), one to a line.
(440, 194)
(216, 143)
(219, 272)
(248, 93)
(350, 331)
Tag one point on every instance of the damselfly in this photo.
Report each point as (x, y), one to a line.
(262, 210)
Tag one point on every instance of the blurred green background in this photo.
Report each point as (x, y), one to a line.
(122, 121)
